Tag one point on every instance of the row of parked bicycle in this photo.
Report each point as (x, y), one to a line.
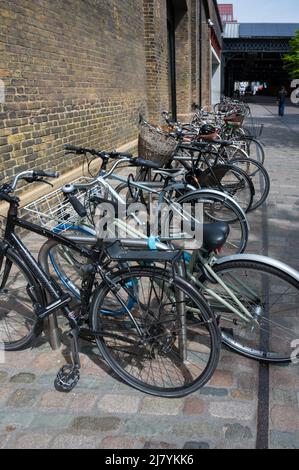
(128, 276)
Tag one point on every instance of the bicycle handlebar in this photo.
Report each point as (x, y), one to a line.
(77, 205)
(101, 154)
(32, 176)
(116, 155)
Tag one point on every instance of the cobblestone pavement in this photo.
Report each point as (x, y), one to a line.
(233, 411)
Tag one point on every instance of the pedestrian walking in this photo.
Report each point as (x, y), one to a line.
(281, 100)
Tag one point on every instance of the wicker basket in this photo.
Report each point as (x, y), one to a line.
(236, 118)
(208, 137)
(155, 146)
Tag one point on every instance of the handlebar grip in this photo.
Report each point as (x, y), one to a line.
(119, 155)
(125, 155)
(146, 163)
(72, 148)
(45, 174)
(79, 208)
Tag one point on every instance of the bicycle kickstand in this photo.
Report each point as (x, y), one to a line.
(68, 376)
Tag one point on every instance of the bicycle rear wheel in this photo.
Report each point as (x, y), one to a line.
(272, 297)
(259, 177)
(167, 342)
(215, 207)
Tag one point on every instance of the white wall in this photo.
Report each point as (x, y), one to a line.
(216, 77)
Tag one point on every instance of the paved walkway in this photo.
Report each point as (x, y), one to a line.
(233, 411)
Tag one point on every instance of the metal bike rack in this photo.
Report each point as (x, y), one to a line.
(43, 256)
(51, 322)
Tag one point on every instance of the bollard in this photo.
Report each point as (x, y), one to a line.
(51, 322)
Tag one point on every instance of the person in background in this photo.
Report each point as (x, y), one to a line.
(281, 100)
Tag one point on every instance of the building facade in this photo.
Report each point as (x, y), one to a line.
(81, 72)
(226, 11)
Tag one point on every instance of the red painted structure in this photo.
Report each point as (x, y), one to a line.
(226, 11)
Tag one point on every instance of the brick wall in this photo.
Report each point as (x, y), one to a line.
(156, 54)
(81, 71)
(184, 59)
(74, 72)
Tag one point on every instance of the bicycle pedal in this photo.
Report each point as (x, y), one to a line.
(67, 378)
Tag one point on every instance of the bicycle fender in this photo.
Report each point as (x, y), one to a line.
(263, 260)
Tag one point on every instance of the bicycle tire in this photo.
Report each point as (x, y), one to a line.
(237, 218)
(131, 366)
(260, 179)
(243, 342)
(16, 277)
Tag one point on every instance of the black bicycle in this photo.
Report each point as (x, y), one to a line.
(152, 328)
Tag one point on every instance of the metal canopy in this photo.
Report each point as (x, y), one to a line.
(256, 45)
(260, 30)
(263, 30)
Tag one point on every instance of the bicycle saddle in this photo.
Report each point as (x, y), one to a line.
(214, 236)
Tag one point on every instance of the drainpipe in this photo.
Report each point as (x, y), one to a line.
(199, 16)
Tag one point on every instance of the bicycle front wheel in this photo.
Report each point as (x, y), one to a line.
(166, 342)
(271, 295)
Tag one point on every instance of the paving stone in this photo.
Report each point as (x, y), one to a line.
(286, 377)
(247, 381)
(23, 378)
(285, 397)
(46, 379)
(82, 401)
(246, 395)
(285, 418)
(284, 440)
(193, 406)
(237, 362)
(216, 392)
(121, 442)
(73, 441)
(223, 379)
(161, 406)
(3, 439)
(196, 445)
(119, 404)
(148, 427)
(96, 424)
(23, 397)
(5, 392)
(237, 431)
(47, 361)
(10, 417)
(159, 445)
(196, 429)
(3, 375)
(232, 410)
(55, 400)
(51, 420)
(31, 440)
(19, 360)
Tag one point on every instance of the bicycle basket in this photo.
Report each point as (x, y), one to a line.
(155, 146)
(235, 118)
(54, 211)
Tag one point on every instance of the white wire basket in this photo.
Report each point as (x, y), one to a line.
(54, 212)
